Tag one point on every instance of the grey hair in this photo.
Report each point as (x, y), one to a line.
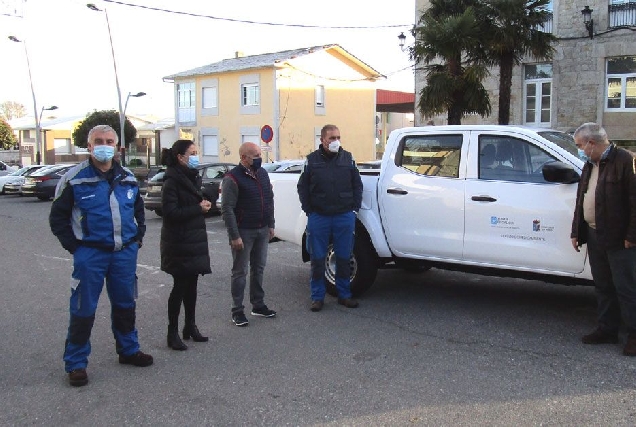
(103, 128)
(592, 132)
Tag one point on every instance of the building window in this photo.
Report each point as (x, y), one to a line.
(621, 83)
(320, 96)
(622, 13)
(537, 94)
(210, 145)
(546, 26)
(250, 94)
(210, 97)
(62, 145)
(186, 98)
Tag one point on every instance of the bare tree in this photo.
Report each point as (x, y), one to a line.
(12, 110)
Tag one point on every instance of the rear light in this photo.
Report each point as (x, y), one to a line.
(44, 178)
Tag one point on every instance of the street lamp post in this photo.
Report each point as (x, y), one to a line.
(51, 108)
(35, 107)
(122, 119)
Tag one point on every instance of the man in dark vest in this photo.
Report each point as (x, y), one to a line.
(330, 191)
(248, 213)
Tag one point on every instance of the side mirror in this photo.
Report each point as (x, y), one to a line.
(561, 173)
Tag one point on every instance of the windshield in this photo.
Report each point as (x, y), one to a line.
(271, 167)
(562, 139)
(158, 177)
(19, 171)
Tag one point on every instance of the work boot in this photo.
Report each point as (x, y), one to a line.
(174, 341)
(348, 302)
(630, 347)
(317, 305)
(191, 330)
(600, 336)
(140, 359)
(78, 377)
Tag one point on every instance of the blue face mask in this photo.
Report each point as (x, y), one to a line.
(193, 162)
(582, 154)
(256, 163)
(103, 153)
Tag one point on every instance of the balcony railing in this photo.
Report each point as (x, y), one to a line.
(622, 15)
(546, 27)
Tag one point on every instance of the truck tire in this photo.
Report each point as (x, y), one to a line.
(159, 212)
(364, 267)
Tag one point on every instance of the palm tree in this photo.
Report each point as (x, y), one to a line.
(445, 32)
(512, 31)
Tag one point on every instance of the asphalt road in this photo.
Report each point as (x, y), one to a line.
(438, 348)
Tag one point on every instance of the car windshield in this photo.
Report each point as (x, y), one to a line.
(562, 139)
(19, 172)
(271, 167)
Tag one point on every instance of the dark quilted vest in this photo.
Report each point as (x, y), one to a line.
(330, 189)
(254, 207)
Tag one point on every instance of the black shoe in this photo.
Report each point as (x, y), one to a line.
(78, 377)
(348, 302)
(174, 342)
(239, 319)
(263, 312)
(316, 305)
(191, 330)
(600, 336)
(138, 359)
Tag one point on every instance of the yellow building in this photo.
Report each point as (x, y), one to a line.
(294, 92)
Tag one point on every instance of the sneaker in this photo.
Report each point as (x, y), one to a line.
(600, 336)
(630, 347)
(316, 305)
(78, 377)
(263, 312)
(239, 319)
(138, 359)
(348, 302)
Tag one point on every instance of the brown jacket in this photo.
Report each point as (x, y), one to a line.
(615, 207)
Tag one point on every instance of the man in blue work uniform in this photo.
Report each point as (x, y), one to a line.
(98, 216)
(330, 192)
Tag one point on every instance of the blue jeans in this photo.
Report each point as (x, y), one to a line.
(254, 256)
(614, 273)
(90, 267)
(338, 229)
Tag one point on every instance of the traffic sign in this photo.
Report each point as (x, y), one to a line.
(267, 134)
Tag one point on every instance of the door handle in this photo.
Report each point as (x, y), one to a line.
(396, 191)
(483, 199)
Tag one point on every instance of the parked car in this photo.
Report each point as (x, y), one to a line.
(284, 166)
(17, 176)
(14, 187)
(211, 173)
(42, 183)
(6, 168)
(373, 164)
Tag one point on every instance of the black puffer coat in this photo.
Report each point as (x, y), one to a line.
(184, 240)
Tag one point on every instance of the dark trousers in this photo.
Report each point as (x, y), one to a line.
(252, 257)
(184, 290)
(614, 274)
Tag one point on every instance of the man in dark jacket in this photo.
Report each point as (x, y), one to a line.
(98, 216)
(605, 219)
(330, 192)
(248, 213)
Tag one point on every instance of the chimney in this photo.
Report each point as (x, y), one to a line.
(238, 54)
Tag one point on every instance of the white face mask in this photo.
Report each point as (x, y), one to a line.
(334, 146)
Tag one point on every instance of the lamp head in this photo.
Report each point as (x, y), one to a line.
(588, 21)
(138, 94)
(91, 6)
(15, 39)
(402, 39)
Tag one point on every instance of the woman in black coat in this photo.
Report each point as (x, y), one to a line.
(184, 240)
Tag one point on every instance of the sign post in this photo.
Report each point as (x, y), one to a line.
(267, 134)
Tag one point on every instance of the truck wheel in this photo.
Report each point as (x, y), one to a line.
(364, 266)
(159, 212)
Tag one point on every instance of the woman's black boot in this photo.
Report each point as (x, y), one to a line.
(174, 342)
(191, 330)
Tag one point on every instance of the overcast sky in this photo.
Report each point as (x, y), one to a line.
(71, 60)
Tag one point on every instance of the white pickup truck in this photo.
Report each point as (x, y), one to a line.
(494, 200)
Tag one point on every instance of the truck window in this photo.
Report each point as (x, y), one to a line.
(514, 159)
(431, 155)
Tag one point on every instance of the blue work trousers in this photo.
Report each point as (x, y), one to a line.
(338, 229)
(614, 274)
(91, 267)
